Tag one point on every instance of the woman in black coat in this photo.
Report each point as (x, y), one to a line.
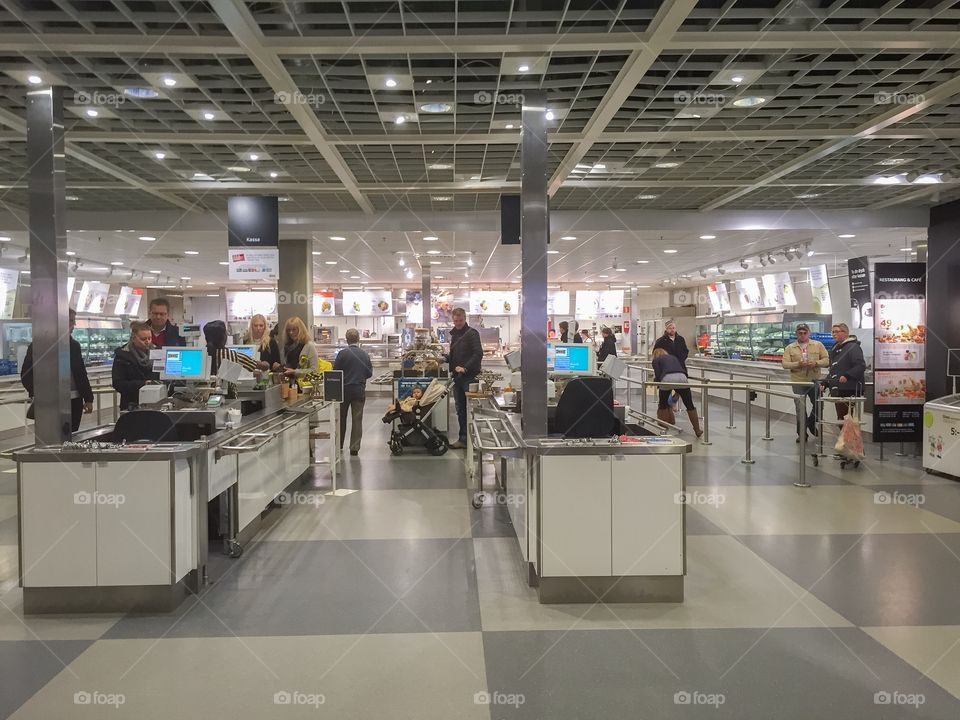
(132, 366)
(608, 346)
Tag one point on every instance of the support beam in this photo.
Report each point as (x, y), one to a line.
(236, 16)
(534, 236)
(427, 298)
(667, 21)
(48, 267)
(295, 284)
(943, 293)
(895, 115)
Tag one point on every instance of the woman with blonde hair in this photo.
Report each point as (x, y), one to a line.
(267, 352)
(298, 354)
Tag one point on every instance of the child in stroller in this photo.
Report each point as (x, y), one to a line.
(414, 427)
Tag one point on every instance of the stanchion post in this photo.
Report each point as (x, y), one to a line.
(900, 452)
(821, 409)
(643, 386)
(730, 425)
(766, 434)
(705, 440)
(747, 458)
(800, 402)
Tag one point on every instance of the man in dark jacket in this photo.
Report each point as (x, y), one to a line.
(466, 355)
(163, 332)
(608, 346)
(847, 367)
(673, 343)
(81, 394)
(132, 366)
(357, 369)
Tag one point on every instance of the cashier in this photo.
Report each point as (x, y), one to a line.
(215, 333)
(132, 366)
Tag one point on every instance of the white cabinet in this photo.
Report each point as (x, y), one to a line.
(264, 474)
(609, 515)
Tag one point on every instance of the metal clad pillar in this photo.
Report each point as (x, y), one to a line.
(427, 298)
(534, 230)
(634, 336)
(295, 284)
(48, 268)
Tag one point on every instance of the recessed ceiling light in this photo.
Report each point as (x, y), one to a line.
(390, 83)
(330, 262)
(620, 269)
(317, 252)
(169, 81)
(568, 237)
(338, 238)
(117, 262)
(147, 238)
(430, 238)
(749, 101)
(440, 166)
(708, 237)
(893, 161)
(433, 252)
(509, 126)
(549, 115)
(274, 174)
(344, 271)
(71, 253)
(928, 179)
(523, 68)
(283, 198)
(846, 235)
(91, 112)
(666, 164)
(210, 282)
(439, 277)
(72, 197)
(254, 156)
(603, 276)
(191, 252)
(670, 251)
(208, 115)
(470, 262)
(906, 249)
(553, 252)
(354, 277)
(436, 107)
(429, 81)
(474, 177)
(184, 277)
(687, 116)
(737, 78)
(154, 272)
(238, 169)
(34, 79)
(399, 120)
(808, 196)
(643, 262)
(441, 198)
(142, 93)
(224, 262)
(647, 197)
(887, 180)
(159, 155)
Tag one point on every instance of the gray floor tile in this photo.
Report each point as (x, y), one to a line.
(873, 580)
(697, 524)
(940, 499)
(426, 473)
(329, 588)
(8, 531)
(783, 673)
(25, 667)
(768, 470)
(492, 519)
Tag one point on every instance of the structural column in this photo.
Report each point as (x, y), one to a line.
(427, 297)
(633, 323)
(943, 295)
(48, 267)
(534, 235)
(295, 285)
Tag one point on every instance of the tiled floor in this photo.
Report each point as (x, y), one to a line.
(402, 601)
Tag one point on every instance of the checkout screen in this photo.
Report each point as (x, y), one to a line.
(571, 359)
(184, 363)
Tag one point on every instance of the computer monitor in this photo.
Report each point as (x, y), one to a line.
(185, 363)
(249, 350)
(571, 359)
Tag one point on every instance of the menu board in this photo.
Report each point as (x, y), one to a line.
(778, 290)
(367, 302)
(324, 304)
(820, 286)
(93, 297)
(748, 290)
(861, 300)
(9, 280)
(558, 302)
(719, 298)
(128, 301)
(414, 300)
(442, 310)
(597, 303)
(244, 304)
(495, 302)
(899, 351)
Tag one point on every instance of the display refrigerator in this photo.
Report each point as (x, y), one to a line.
(15, 338)
(756, 337)
(99, 338)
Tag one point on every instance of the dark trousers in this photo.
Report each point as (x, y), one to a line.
(76, 412)
(460, 386)
(354, 397)
(685, 395)
(809, 420)
(842, 408)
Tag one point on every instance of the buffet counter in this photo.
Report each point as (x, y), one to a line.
(108, 528)
(593, 518)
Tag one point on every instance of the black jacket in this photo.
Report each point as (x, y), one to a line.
(676, 347)
(846, 359)
(356, 366)
(272, 354)
(173, 338)
(466, 350)
(665, 365)
(129, 376)
(607, 347)
(81, 383)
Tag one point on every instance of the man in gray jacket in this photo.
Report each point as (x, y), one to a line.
(357, 369)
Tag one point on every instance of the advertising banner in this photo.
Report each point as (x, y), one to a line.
(820, 286)
(324, 304)
(599, 303)
(253, 222)
(719, 299)
(861, 299)
(9, 280)
(558, 302)
(244, 304)
(495, 302)
(128, 301)
(778, 290)
(367, 303)
(93, 297)
(254, 263)
(749, 291)
(899, 304)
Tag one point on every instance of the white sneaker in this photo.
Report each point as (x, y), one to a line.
(457, 445)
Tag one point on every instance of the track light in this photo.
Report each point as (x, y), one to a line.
(771, 259)
(721, 270)
(763, 261)
(809, 250)
(744, 264)
(703, 273)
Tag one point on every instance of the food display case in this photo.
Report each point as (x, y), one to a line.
(16, 336)
(756, 337)
(99, 337)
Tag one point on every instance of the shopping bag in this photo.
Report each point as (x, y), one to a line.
(850, 442)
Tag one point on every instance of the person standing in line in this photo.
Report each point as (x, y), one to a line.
(298, 354)
(803, 358)
(674, 343)
(577, 337)
(564, 331)
(847, 367)
(357, 369)
(608, 346)
(132, 366)
(81, 394)
(668, 369)
(465, 358)
(163, 332)
(585, 337)
(268, 352)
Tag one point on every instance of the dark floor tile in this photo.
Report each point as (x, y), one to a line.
(26, 666)
(767, 470)
(697, 524)
(940, 499)
(786, 674)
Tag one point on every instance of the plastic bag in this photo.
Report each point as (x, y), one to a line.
(850, 442)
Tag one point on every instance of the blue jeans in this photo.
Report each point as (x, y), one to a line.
(812, 392)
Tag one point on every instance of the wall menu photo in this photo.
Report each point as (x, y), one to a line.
(366, 303)
(820, 286)
(900, 333)
(495, 302)
(778, 290)
(558, 302)
(324, 304)
(749, 291)
(900, 387)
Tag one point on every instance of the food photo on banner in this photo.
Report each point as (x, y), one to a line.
(899, 313)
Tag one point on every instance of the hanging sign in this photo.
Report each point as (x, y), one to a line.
(253, 236)
(820, 286)
(861, 300)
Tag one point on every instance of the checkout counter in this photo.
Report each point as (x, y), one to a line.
(107, 524)
(594, 517)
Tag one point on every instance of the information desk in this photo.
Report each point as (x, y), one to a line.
(595, 519)
(121, 529)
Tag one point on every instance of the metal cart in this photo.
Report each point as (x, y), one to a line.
(856, 404)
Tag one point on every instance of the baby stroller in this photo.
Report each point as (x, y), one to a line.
(414, 427)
